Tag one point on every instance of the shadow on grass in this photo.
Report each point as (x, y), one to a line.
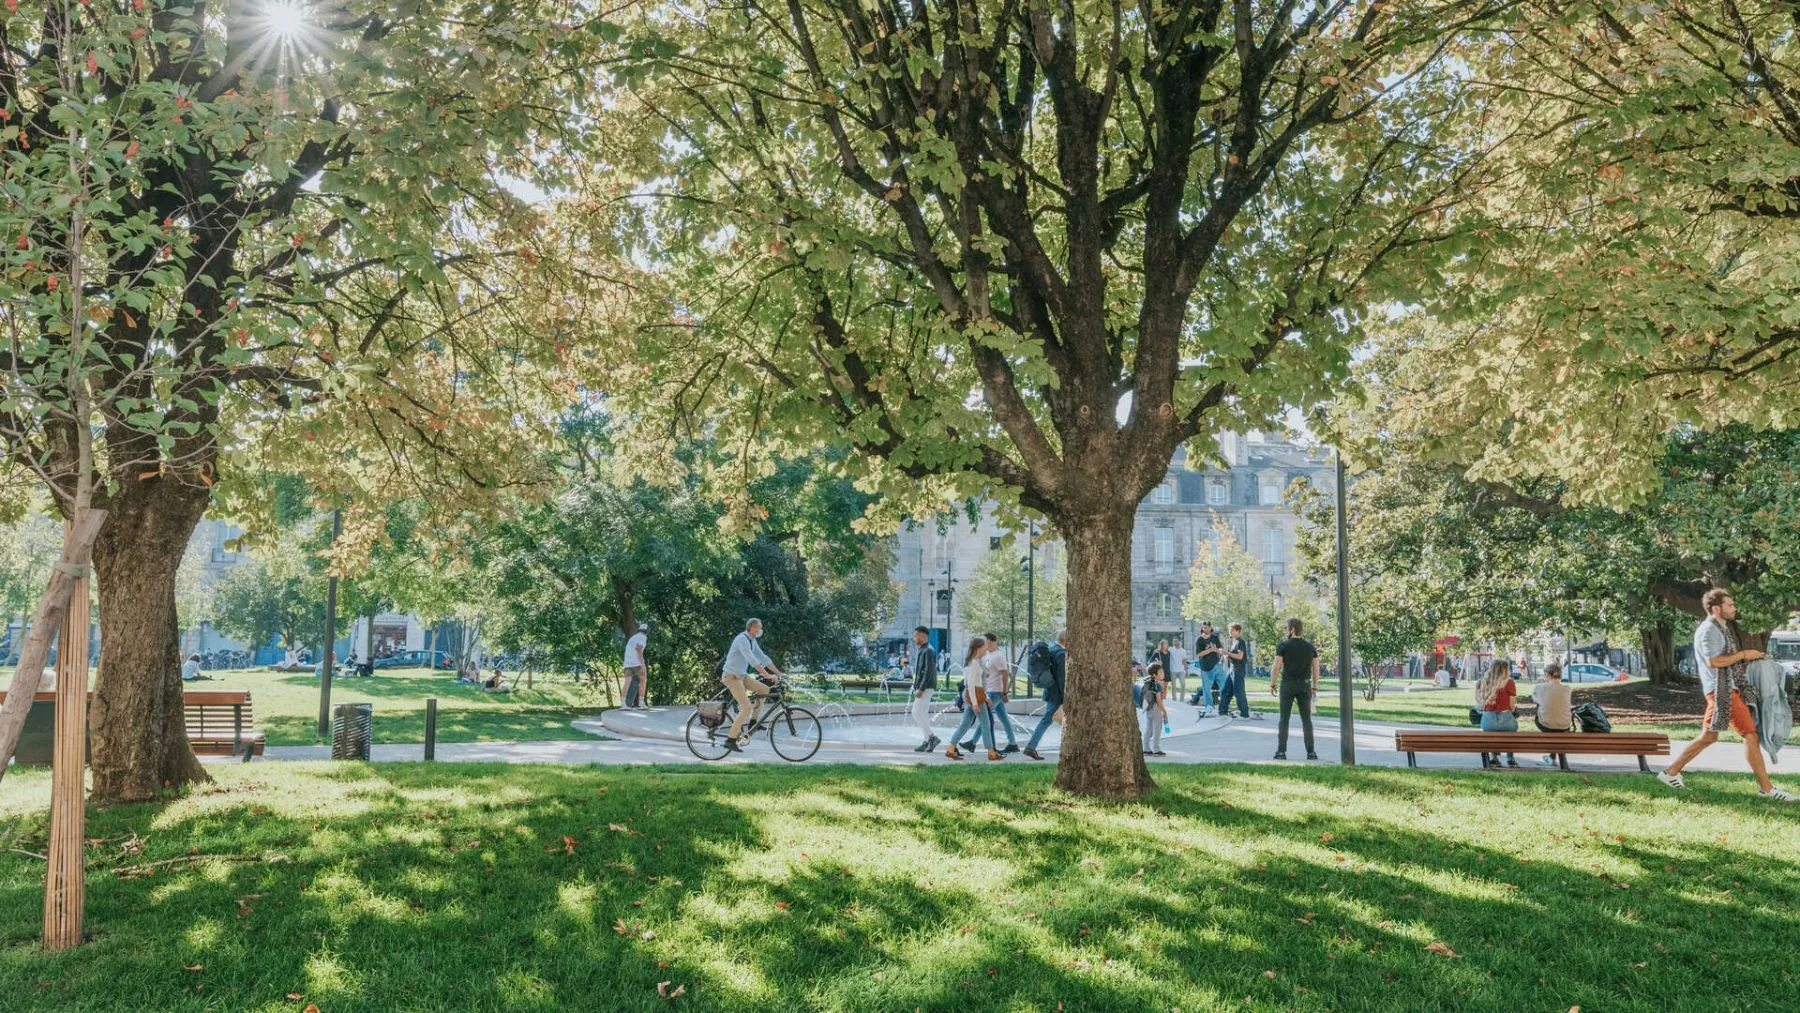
(476, 887)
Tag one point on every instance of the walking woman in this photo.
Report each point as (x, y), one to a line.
(976, 711)
(1495, 693)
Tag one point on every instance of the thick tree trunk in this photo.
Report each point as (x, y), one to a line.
(139, 733)
(1659, 654)
(1102, 752)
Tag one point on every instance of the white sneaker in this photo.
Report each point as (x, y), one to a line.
(1777, 795)
(1672, 780)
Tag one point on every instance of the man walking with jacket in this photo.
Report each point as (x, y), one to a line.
(924, 665)
(1721, 657)
(1053, 693)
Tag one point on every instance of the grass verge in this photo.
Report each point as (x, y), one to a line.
(431, 887)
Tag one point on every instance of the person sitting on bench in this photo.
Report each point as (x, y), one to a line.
(1555, 704)
(1494, 693)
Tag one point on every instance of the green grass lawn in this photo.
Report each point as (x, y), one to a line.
(434, 887)
(287, 705)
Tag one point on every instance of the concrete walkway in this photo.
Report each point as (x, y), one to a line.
(1210, 741)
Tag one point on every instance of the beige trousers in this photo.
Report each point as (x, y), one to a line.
(742, 687)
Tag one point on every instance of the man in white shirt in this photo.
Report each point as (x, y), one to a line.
(745, 657)
(636, 673)
(1178, 666)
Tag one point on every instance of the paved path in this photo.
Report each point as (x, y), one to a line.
(1211, 741)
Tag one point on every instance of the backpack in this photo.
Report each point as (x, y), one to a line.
(1592, 718)
(1040, 666)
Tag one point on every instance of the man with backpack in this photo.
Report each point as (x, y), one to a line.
(924, 665)
(1046, 666)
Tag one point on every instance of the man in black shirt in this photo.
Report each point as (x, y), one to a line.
(1295, 679)
(1237, 665)
(1206, 652)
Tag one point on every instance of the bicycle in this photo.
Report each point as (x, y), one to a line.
(794, 733)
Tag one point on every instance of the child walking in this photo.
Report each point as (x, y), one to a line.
(1156, 709)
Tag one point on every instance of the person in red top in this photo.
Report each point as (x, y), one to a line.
(1495, 693)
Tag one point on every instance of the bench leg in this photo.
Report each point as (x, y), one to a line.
(1412, 759)
(1643, 764)
(1562, 760)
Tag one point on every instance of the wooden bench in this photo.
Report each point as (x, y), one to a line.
(1562, 745)
(220, 723)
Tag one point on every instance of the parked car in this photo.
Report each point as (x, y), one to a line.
(1588, 671)
(418, 659)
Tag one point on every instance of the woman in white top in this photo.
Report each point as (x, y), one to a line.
(976, 711)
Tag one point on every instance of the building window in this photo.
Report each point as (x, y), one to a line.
(1271, 494)
(1165, 605)
(1272, 545)
(1215, 494)
(1165, 550)
(1163, 495)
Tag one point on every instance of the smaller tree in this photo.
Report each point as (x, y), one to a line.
(1227, 586)
(255, 603)
(1003, 598)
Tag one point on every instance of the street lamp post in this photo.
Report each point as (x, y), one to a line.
(337, 523)
(1346, 702)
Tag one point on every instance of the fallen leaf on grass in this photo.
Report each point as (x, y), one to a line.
(569, 844)
(193, 967)
(621, 928)
(310, 1008)
(663, 989)
(620, 828)
(1441, 949)
(1621, 886)
(296, 996)
(783, 905)
(1327, 837)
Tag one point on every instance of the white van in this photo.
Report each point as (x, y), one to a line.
(1784, 646)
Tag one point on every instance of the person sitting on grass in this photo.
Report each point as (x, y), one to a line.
(1495, 693)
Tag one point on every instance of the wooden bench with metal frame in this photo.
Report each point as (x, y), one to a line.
(220, 723)
(1561, 745)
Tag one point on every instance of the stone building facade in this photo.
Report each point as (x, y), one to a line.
(1248, 493)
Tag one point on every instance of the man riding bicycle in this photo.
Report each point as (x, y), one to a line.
(745, 657)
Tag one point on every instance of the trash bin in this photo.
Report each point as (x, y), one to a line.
(352, 730)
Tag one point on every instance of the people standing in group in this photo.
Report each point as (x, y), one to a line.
(1207, 653)
(924, 665)
(997, 680)
(636, 670)
(1720, 653)
(1494, 694)
(745, 658)
(1176, 674)
(1237, 674)
(1053, 693)
(1161, 655)
(976, 712)
(1294, 679)
(1156, 709)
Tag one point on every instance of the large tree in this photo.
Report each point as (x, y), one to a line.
(236, 235)
(1020, 248)
(1638, 268)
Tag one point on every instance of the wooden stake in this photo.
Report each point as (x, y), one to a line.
(65, 888)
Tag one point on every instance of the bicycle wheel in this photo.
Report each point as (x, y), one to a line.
(795, 734)
(706, 743)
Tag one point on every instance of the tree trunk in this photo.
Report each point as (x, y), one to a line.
(139, 733)
(1659, 654)
(1102, 752)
